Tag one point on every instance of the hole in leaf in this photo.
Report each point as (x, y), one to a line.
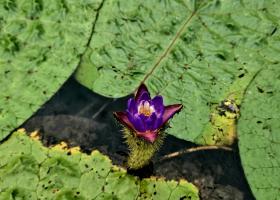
(99, 68)
(221, 56)
(260, 90)
(231, 27)
(241, 75)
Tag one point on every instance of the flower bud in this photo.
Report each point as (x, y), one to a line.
(143, 123)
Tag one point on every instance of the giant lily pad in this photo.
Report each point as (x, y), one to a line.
(29, 170)
(193, 52)
(40, 46)
(259, 138)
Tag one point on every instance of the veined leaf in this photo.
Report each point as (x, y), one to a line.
(193, 52)
(30, 171)
(40, 46)
(258, 133)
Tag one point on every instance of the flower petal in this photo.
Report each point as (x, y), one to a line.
(142, 94)
(149, 136)
(170, 111)
(157, 124)
(137, 122)
(157, 103)
(131, 106)
(145, 96)
(123, 118)
(150, 121)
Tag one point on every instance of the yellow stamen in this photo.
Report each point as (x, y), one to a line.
(145, 109)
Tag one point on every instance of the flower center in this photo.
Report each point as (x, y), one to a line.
(145, 108)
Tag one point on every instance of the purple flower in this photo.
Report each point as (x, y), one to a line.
(146, 116)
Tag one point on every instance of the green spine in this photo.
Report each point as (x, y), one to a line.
(141, 151)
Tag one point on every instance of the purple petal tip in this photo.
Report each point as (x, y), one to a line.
(142, 91)
(122, 118)
(170, 111)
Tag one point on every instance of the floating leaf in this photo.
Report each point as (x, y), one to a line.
(188, 51)
(30, 171)
(40, 46)
(258, 133)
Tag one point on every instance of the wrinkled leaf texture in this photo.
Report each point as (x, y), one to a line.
(31, 171)
(40, 46)
(198, 53)
(259, 138)
(191, 52)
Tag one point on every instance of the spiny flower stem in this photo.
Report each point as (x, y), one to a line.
(141, 151)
